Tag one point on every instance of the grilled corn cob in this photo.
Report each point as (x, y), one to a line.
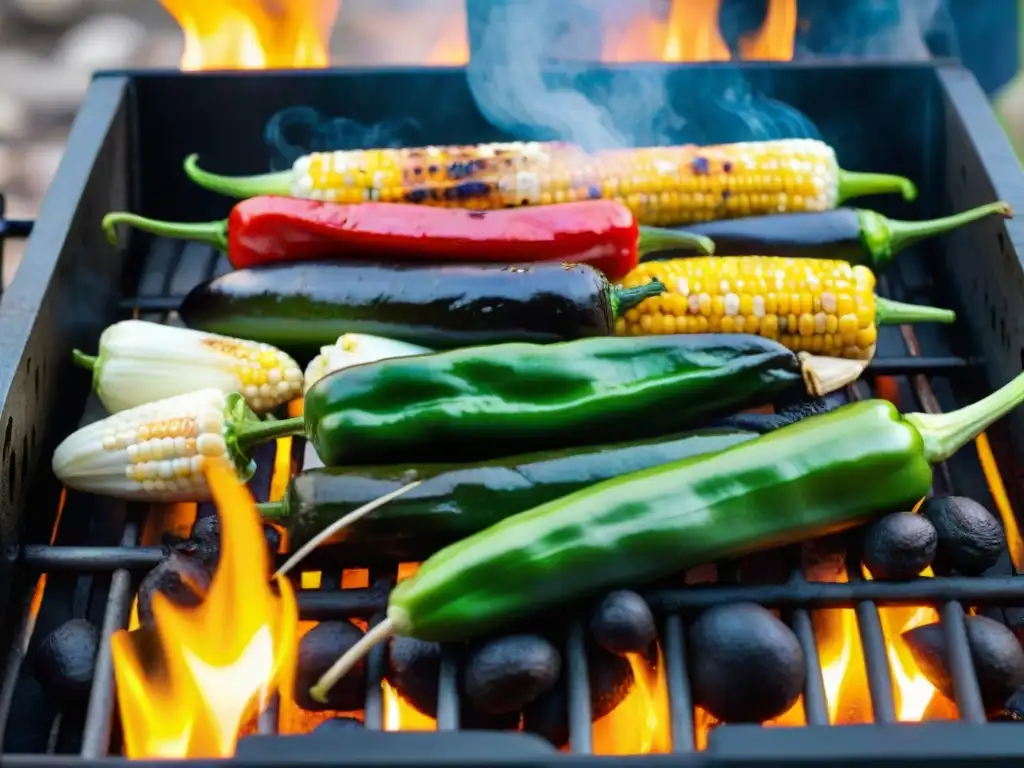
(356, 349)
(664, 186)
(139, 362)
(156, 451)
(812, 305)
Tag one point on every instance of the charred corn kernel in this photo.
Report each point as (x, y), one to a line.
(359, 348)
(661, 185)
(156, 451)
(788, 314)
(141, 362)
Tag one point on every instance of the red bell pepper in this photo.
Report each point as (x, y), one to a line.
(263, 230)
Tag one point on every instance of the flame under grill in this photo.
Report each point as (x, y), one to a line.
(100, 548)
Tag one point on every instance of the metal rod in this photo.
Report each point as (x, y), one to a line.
(578, 690)
(100, 714)
(680, 702)
(815, 701)
(53, 559)
(448, 691)
(876, 662)
(12, 228)
(930, 366)
(966, 690)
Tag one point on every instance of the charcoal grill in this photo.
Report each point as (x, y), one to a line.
(931, 122)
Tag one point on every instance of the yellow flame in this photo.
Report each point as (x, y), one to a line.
(185, 688)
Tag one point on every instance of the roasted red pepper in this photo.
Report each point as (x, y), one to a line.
(262, 230)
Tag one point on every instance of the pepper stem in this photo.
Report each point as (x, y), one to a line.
(627, 298)
(253, 433)
(853, 184)
(889, 312)
(885, 237)
(240, 187)
(655, 239)
(946, 433)
(274, 511)
(82, 360)
(213, 233)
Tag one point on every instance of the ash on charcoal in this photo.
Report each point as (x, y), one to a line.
(997, 655)
(611, 679)
(65, 660)
(504, 675)
(183, 579)
(623, 623)
(746, 665)
(899, 546)
(970, 539)
(318, 650)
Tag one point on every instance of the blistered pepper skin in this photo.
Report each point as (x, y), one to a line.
(813, 478)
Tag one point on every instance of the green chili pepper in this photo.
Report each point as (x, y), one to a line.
(810, 479)
(477, 403)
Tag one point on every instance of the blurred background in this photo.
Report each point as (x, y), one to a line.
(49, 48)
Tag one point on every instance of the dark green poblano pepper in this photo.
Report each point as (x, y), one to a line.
(819, 476)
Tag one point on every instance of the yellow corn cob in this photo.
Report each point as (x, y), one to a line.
(661, 185)
(808, 305)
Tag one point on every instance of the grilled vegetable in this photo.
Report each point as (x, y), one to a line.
(140, 362)
(970, 539)
(660, 185)
(65, 661)
(265, 230)
(623, 623)
(996, 653)
(457, 500)
(899, 546)
(157, 451)
(857, 236)
(820, 476)
(480, 403)
(356, 349)
(815, 305)
(301, 307)
(747, 665)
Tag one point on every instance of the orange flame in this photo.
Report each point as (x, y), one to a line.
(692, 33)
(185, 688)
(254, 34)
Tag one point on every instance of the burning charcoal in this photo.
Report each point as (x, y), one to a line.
(623, 623)
(1014, 706)
(504, 675)
(970, 538)
(998, 658)
(204, 540)
(899, 546)
(339, 724)
(65, 660)
(414, 669)
(318, 650)
(611, 680)
(181, 578)
(747, 665)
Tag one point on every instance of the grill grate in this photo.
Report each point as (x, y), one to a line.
(928, 373)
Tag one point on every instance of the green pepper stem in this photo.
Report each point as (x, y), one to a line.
(655, 239)
(252, 433)
(946, 433)
(274, 511)
(852, 184)
(213, 233)
(889, 312)
(905, 233)
(240, 187)
(627, 298)
(82, 360)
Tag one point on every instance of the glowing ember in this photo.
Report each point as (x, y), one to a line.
(692, 33)
(185, 688)
(254, 34)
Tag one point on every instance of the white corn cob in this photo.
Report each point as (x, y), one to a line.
(357, 349)
(153, 452)
(140, 362)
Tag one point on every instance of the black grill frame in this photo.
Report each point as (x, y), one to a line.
(64, 294)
